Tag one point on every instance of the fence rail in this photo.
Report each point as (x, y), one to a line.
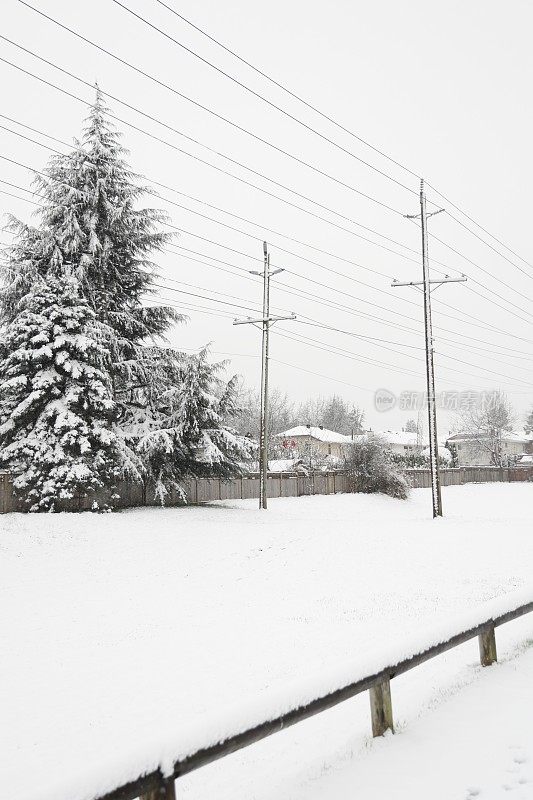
(282, 484)
(156, 786)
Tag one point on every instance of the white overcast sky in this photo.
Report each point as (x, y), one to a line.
(443, 88)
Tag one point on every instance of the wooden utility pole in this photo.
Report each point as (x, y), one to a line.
(426, 284)
(266, 321)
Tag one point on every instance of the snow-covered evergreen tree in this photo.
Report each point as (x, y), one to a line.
(185, 434)
(92, 228)
(56, 406)
(91, 225)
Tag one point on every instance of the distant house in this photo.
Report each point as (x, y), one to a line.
(474, 449)
(403, 442)
(407, 443)
(313, 440)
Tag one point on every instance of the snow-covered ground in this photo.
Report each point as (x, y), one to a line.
(129, 637)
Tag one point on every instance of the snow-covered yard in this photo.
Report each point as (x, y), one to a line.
(129, 637)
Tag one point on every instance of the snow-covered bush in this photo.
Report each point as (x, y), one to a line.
(56, 405)
(421, 460)
(371, 468)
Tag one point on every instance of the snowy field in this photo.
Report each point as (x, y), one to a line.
(130, 638)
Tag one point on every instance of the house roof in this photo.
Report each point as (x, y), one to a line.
(321, 434)
(403, 438)
(511, 436)
(407, 438)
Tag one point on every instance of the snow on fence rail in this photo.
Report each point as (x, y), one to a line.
(283, 484)
(302, 700)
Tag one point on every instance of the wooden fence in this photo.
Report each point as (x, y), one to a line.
(451, 476)
(283, 484)
(156, 786)
(201, 490)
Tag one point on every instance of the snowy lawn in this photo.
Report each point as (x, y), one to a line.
(130, 638)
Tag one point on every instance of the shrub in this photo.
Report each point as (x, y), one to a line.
(372, 469)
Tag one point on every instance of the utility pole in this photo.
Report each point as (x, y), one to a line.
(426, 284)
(266, 321)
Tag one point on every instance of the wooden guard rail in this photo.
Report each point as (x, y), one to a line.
(156, 786)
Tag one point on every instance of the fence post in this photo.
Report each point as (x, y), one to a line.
(165, 791)
(381, 708)
(487, 647)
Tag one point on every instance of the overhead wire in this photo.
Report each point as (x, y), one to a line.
(297, 255)
(377, 342)
(520, 355)
(351, 310)
(355, 136)
(261, 189)
(219, 169)
(170, 88)
(235, 125)
(254, 93)
(477, 224)
(394, 367)
(304, 243)
(289, 92)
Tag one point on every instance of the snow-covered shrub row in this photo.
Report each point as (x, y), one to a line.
(88, 391)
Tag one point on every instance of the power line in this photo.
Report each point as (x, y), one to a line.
(450, 202)
(330, 349)
(346, 130)
(250, 133)
(373, 340)
(296, 255)
(257, 238)
(25, 199)
(474, 264)
(502, 255)
(244, 219)
(290, 252)
(283, 111)
(254, 93)
(296, 292)
(202, 297)
(289, 92)
(265, 228)
(520, 355)
(235, 125)
(334, 255)
(353, 357)
(371, 360)
(258, 188)
(200, 144)
(198, 200)
(344, 275)
(376, 341)
(196, 308)
(197, 158)
(307, 278)
(333, 303)
(474, 280)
